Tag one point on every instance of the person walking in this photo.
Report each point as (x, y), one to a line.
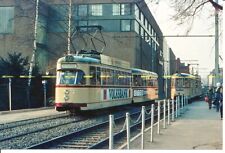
(221, 102)
(218, 96)
(210, 97)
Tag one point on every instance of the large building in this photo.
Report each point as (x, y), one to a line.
(129, 31)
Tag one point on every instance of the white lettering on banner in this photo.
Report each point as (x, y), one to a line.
(140, 92)
(111, 94)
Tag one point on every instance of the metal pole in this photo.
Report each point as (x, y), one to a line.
(183, 102)
(10, 94)
(128, 130)
(173, 110)
(69, 27)
(164, 113)
(168, 103)
(152, 121)
(216, 46)
(158, 130)
(111, 132)
(176, 107)
(44, 87)
(143, 127)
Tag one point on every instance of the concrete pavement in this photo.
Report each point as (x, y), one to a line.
(198, 128)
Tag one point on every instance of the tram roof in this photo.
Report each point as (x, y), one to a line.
(183, 75)
(78, 58)
(136, 70)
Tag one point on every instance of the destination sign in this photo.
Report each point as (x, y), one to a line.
(140, 92)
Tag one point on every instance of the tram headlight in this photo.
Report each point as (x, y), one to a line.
(66, 98)
(66, 92)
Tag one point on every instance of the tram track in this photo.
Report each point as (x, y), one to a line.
(87, 138)
(79, 132)
(38, 130)
(4, 126)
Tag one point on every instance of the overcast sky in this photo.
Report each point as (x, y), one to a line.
(201, 49)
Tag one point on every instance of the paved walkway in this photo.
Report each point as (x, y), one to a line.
(198, 128)
(23, 114)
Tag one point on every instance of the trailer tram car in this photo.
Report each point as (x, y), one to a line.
(144, 85)
(185, 84)
(94, 81)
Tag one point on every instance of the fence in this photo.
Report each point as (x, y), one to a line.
(14, 93)
(171, 109)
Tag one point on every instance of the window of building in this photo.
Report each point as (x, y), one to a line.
(116, 9)
(125, 25)
(6, 19)
(96, 10)
(136, 10)
(136, 27)
(82, 10)
(125, 9)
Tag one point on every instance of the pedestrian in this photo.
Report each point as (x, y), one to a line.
(221, 108)
(218, 96)
(210, 97)
(221, 102)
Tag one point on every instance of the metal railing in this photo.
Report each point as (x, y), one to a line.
(171, 109)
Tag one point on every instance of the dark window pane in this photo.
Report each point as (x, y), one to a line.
(125, 25)
(82, 10)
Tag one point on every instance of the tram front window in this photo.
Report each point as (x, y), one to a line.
(74, 77)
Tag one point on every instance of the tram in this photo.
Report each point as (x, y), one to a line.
(90, 81)
(185, 84)
(144, 85)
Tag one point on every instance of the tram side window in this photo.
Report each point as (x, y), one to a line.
(179, 83)
(98, 74)
(103, 76)
(93, 75)
(186, 82)
(127, 78)
(137, 80)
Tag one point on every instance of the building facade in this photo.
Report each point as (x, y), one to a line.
(129, 31)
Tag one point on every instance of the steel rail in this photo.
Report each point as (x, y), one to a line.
(38, 130)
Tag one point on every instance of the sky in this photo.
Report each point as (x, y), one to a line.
(201, 49)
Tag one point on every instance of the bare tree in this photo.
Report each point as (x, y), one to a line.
(187, 10)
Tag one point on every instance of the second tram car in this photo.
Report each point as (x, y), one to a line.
(95, 81)
(185, 84)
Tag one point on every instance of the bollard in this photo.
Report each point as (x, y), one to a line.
(181, 109)
(128, 130)
(164, 114)
(183, 103)
(143, 127)
(176, 108)
(158, 130)
(152, 121)
(168, 111)
(111, 132)
(173, 110)
(10, 94)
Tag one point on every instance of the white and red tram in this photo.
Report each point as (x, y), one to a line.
(90, 82)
